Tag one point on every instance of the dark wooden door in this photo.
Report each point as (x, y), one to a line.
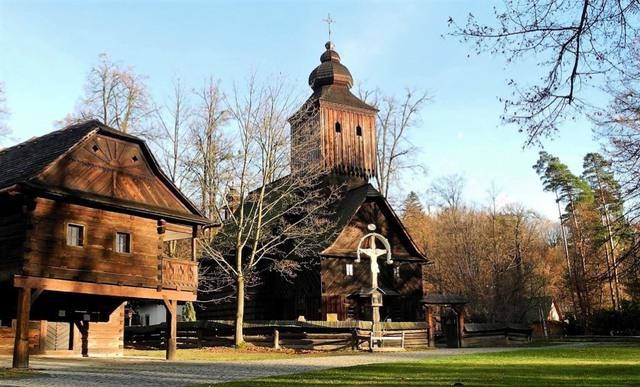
(450, 329)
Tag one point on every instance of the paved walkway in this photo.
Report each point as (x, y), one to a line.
(129, 371)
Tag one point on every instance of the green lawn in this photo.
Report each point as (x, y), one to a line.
(230, 354)
(8, 373)
(596, 365)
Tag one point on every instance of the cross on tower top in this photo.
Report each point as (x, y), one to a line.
(329, 21)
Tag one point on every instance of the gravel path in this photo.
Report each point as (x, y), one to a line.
(129, 371)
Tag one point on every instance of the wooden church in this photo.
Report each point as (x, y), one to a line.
(87, 221)
(338, 287)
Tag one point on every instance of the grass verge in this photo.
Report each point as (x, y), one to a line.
(10, 373)
(597, 365)
(217, 354)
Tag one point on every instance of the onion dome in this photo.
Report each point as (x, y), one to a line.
(330, 71)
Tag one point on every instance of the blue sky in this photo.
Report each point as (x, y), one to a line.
(48, 48)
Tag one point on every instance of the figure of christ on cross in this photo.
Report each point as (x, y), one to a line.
(373, 253)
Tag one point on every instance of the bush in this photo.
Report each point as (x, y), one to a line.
(625, 322)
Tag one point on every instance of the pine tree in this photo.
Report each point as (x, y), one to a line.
(598, 172)
(574, 192)
(412, 206)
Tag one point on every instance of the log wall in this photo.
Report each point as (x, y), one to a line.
(37, 335)
(97, 261)
(105, 338)
(12, 236)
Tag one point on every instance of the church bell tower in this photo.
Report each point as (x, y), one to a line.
(335, 129)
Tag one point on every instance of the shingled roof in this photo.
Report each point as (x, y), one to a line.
(347, 207)
(331, 82)
(24, 161)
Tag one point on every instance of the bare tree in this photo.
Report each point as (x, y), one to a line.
(577, 43)
(619, 124)
(4, 112)
(117, 96)
(173, 120)
(446, 191)
(396, 118)
(211, 151)
(499, 258)
(279, 215)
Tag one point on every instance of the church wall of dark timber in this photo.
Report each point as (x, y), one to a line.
(337, 286)
(276, 298)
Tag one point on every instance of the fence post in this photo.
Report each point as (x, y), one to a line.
(354, 339)
(402, 341)
(276, 338)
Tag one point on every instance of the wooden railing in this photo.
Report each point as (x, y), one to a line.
(179, 274)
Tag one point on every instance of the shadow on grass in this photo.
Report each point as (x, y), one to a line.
(588, 367)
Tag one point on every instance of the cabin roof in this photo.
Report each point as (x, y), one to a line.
(22, 163)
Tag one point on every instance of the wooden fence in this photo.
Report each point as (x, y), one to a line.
(314, 335)
(485, 334)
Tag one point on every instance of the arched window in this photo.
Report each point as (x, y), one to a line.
(358, 130)
(338, 127)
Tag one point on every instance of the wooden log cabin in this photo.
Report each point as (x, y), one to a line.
(87, 221)
(337, 287)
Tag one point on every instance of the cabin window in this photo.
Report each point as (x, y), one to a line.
(75, 235)
(358, 130)
(396, 272)
(338, 127)
(349, 269)
(123, 242)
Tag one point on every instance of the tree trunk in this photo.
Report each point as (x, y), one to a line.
(581, 283)
(612, 271)
(572, 282)
(239, 337)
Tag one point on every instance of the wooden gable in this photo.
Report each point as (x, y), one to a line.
(115, 168)
(374, 211)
